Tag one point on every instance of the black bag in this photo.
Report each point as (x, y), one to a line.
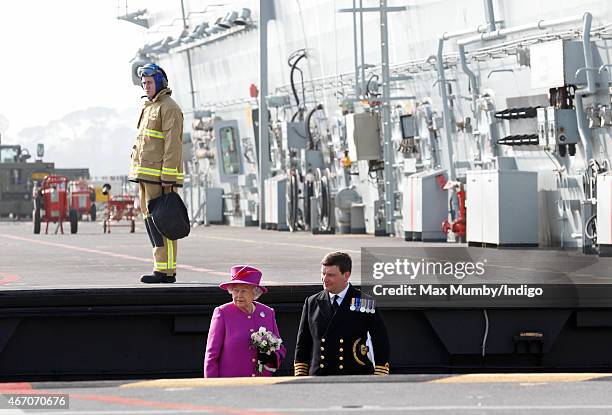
(170, 215)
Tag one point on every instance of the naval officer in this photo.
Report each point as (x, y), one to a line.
(336, 324)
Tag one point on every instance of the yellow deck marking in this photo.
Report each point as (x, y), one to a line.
(208, 382)
(520, 377)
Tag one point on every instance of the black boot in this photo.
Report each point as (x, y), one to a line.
(169, 279)
(157, 278)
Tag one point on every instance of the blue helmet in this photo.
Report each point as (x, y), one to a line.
(158, 74)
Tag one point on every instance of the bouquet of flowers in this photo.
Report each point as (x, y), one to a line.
(266, 343)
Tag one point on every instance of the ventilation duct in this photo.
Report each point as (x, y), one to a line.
(228, 20)
(244, 17)
(215, 28)
(198, 31)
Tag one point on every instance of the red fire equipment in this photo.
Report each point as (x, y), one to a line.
(458, 215)
(51, 205)
(82, 198)
(119, 208)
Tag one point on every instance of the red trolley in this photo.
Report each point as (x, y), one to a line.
(51, 205)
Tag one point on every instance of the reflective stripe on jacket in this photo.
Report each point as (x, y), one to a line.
(157, 153)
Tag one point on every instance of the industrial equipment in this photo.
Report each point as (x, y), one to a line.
(603, 232)
(51, 205)
(424, 206)
(82, 199)
(17, 177)
(276, 203)
(457, 211)
(119, 209)
(502, 208)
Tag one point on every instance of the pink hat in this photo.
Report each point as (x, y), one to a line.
(244, 274)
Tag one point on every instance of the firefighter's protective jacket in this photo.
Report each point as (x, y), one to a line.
(157, 153)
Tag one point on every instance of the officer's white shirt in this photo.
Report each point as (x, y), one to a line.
(340, 297)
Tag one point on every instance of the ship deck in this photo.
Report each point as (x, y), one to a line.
(72, 306)
(91, 259)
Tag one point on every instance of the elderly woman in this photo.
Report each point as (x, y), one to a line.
(228, 349)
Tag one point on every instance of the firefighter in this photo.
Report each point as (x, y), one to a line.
(157, 162)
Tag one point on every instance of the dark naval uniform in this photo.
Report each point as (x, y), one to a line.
(335, 344)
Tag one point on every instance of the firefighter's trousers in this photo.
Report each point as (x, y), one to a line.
(164, 257)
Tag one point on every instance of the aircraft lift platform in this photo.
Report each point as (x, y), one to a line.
(72, 306)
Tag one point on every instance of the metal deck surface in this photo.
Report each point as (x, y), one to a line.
(91, 259)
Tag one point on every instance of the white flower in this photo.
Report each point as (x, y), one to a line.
(264, 343)
(262, 330)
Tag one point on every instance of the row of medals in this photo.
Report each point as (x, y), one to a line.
(363, 305)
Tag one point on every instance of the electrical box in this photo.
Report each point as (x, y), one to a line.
(562, 126)
(294, 135)
(278, 101)
(314, 160)
(554, 64)
(276, 203)
(214, 205)
(424, 206)
(502, 207)
(542, 126)
(229, 152)
(604, 211)
(408, 126)
(363, 133)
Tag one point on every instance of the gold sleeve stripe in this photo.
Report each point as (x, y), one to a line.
(382, 370)
(300, 368)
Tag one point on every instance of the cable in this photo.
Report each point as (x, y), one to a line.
(591, 225)
(291, 192)
(368, 92)
(293, 61)
(311, 145)
(486, 333)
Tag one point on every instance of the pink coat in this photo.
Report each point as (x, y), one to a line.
(227, 349)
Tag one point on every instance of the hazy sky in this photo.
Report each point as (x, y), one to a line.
(64, 55)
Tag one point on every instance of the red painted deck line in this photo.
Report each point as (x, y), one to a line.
(20, 386)
(26, 389)
(113, 254)
(8, 278)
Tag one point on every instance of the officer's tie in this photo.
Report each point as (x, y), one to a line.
(334, 304)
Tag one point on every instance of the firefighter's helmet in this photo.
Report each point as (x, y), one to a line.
(158, 74)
